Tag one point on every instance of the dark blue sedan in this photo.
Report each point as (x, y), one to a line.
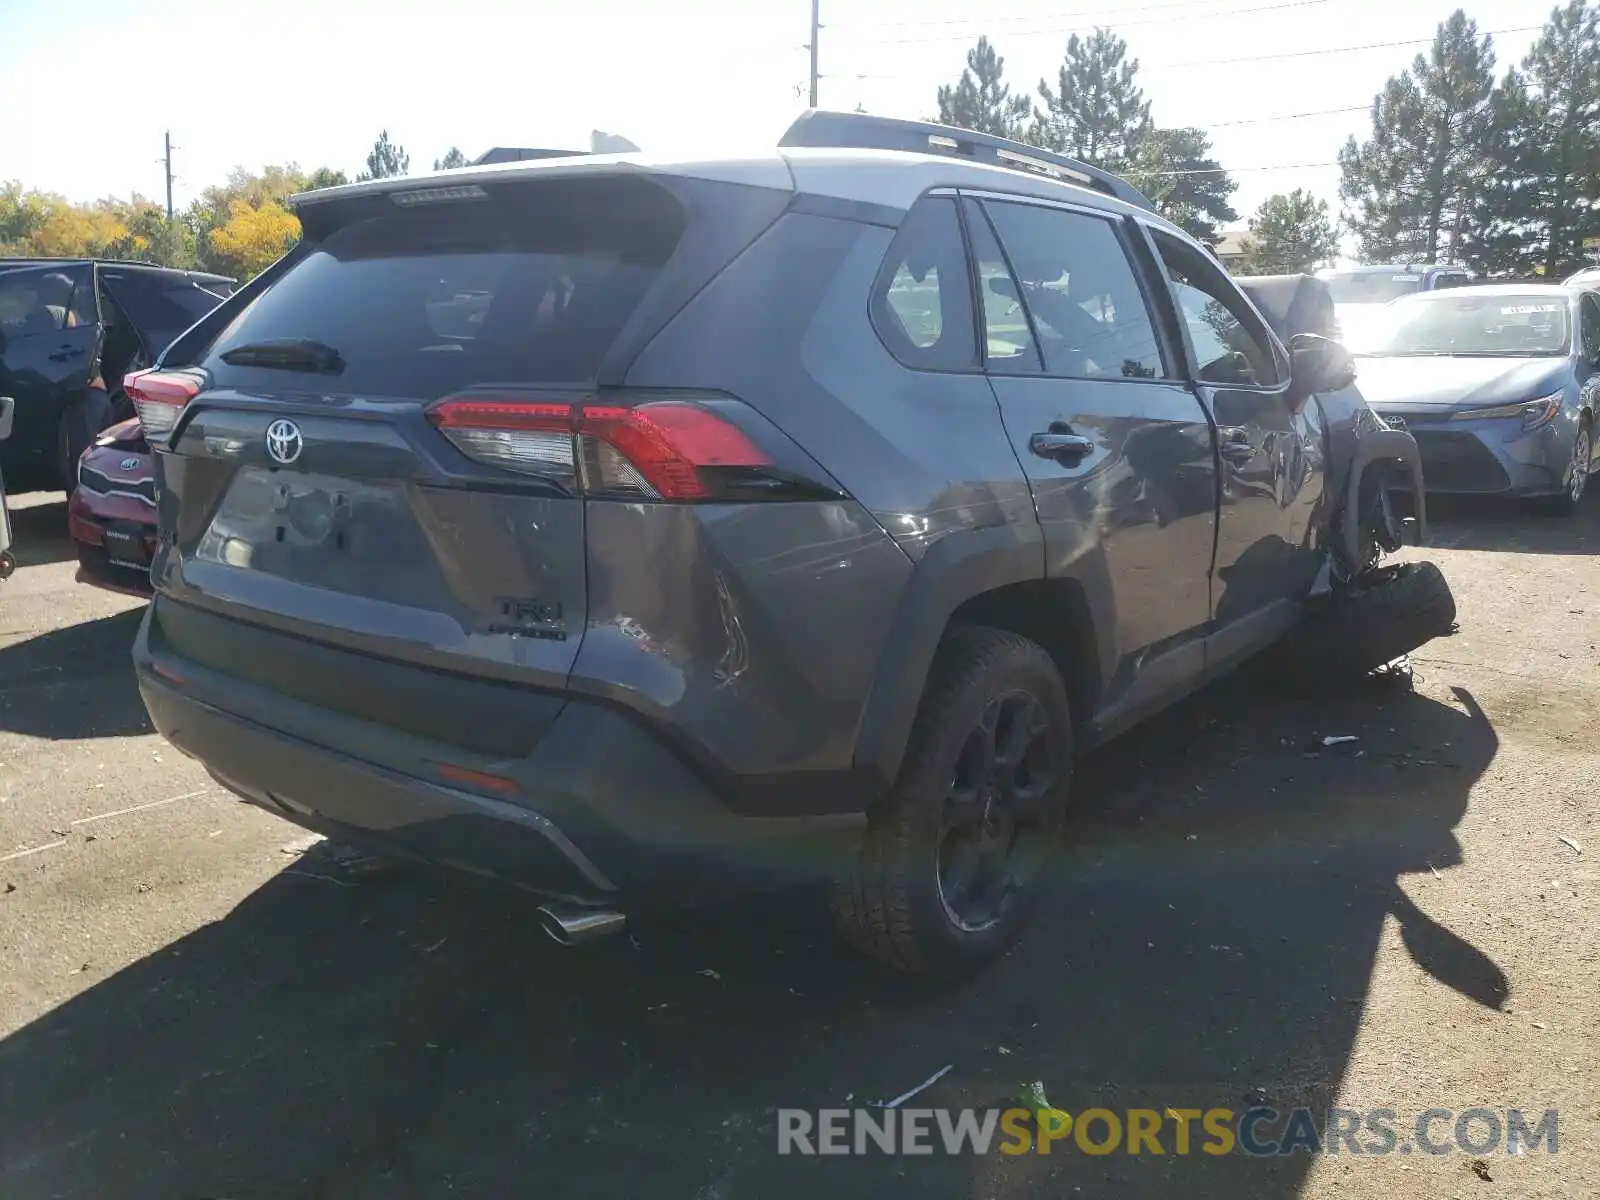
(1499, 385)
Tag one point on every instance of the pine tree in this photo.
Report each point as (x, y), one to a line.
(1097, 113)
(386, 159)
(452, 159)
(980, 100)
(1290, 234)
(1409, 187)
(1543, 197)
(1174, 168)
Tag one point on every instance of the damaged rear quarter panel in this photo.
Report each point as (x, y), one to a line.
(750, 646)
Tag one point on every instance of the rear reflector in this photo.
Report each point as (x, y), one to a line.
(453, 773)
(159, 396)
(656, 450)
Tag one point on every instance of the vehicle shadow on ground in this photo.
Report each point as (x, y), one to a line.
(39, 534)
(1211, 932)
(74, 682)
(1512, 526)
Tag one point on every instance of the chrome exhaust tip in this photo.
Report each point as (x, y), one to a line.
(570, 924)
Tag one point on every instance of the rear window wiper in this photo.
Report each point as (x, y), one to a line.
(287, 354)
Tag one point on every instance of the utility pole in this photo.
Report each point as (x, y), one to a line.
(169, 175)
(816, 6)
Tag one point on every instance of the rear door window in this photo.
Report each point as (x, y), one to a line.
(922, 302)
(1080, 289)
(36, 300)
(528, 284)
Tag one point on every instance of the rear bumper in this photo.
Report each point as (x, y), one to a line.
(599, 812)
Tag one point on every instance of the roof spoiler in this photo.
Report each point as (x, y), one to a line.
(819, 129)
(507, 154)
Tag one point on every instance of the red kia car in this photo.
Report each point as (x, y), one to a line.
(112, 513)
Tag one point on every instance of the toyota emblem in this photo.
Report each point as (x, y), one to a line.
(284, 442)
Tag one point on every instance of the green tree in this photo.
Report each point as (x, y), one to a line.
(1543, 197)
(452, 159)
(980, 100)
(1096, 113)
(1408, 189)
(387, 159)
(1290, 234)
(325, 177)
(1174, 167)
(22, 213)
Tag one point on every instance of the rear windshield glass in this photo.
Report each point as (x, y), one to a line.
(1467, 323)
(530, 284)
(1370, 287)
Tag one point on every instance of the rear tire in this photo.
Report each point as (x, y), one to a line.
(954, 859)
(1387, 614)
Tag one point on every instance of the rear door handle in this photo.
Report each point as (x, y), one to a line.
(1069, 449)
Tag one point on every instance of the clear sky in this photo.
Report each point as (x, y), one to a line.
(89, 86)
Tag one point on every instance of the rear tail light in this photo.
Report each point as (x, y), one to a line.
(159, 396)
(659, 449)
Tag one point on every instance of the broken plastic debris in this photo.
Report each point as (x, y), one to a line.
(1561, 837)
(1340, 739)
(919, 1089)
(1032, 1098)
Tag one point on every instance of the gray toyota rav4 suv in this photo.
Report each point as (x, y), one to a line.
(638, 531)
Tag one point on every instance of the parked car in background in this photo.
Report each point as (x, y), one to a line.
(643, 531)
(1498, 384)
(65, 323)
(134, 311)
(111, 514)
(1360, 293)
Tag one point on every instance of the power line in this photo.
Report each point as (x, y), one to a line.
(1029, 18)
(1237, 170)
(1254, 58)
(1321, 112)
(1193, 16)
(1242, 60)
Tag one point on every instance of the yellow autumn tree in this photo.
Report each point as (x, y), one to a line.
(73, 231)
(253, 237)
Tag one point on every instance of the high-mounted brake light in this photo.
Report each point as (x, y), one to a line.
(657, 450)
(159, 396)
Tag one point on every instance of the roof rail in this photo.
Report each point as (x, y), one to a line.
(820, 129)
(506, 154)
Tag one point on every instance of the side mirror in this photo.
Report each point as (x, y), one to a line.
(8, 409)
(1319, 364)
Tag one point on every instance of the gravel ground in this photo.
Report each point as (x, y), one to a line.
(195, 1004)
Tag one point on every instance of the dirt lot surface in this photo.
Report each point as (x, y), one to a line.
(191, 1008)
